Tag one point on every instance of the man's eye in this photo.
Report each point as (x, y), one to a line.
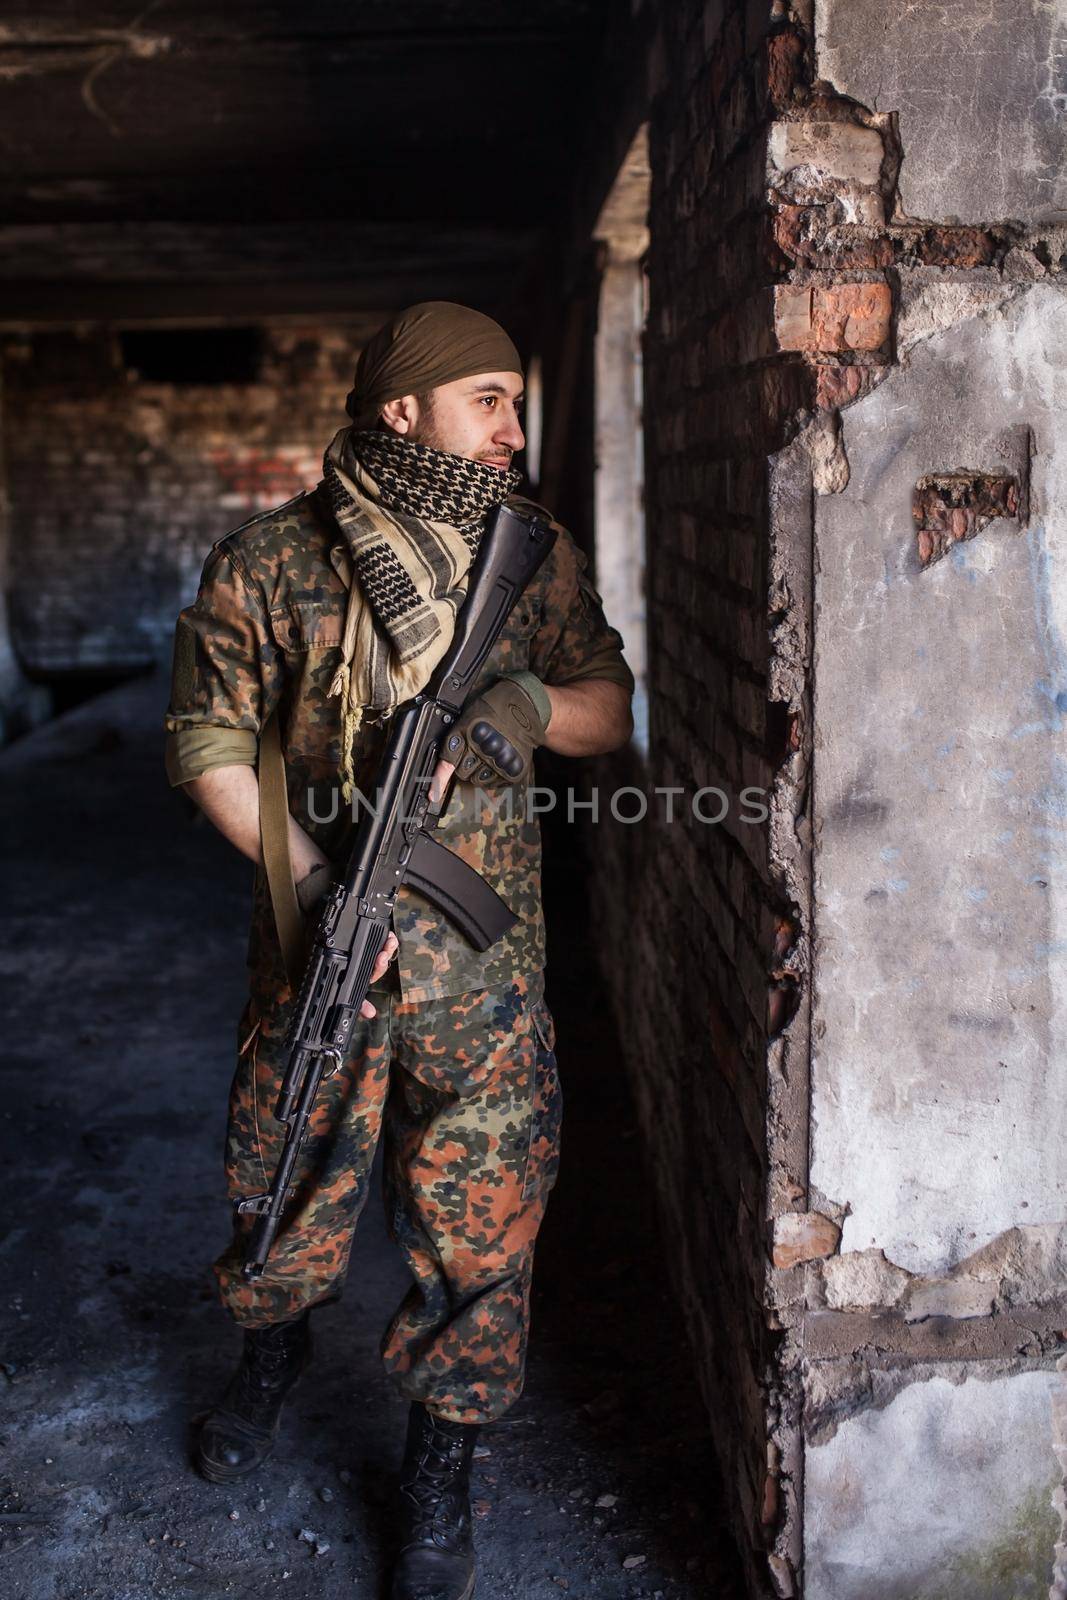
(488, 399)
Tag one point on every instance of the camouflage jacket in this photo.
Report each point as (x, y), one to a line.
(264, 634)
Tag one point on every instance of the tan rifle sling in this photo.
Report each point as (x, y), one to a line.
(277, 861)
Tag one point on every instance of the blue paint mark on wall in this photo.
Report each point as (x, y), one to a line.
(959, 555)
(1052, 799)
(1048, 635)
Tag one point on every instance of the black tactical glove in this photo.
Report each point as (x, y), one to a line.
(496, 735)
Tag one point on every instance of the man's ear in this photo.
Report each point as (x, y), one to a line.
(401, 415)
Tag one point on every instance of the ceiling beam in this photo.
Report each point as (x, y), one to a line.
(32, 303)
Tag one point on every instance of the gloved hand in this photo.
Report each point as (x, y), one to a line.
(311, 891)
(497, 733)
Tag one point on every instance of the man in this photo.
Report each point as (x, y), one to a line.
(312, 624)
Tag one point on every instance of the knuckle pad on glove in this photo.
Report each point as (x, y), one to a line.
(494, 737)
(488, 739)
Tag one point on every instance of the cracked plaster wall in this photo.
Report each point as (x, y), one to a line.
(931, 1264)
(939, 1063)
(980, 91)
(962, 1471)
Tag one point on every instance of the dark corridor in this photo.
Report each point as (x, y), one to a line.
(206, 209)
(600, 1481)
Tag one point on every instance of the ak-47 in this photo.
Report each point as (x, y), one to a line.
(392, 847)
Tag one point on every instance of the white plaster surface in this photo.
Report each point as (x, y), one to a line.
(980, 89)
(939, 1085)
(910, 1502)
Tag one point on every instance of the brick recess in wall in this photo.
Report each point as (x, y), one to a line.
(951, 506)
(119, 487)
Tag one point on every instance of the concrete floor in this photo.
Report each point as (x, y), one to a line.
(125, 967)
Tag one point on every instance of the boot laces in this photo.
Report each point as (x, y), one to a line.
(269, 1357)
(437, 1468)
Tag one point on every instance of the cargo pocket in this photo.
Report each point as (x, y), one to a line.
(546, 1117)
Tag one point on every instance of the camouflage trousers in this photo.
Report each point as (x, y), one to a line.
(465, 1092)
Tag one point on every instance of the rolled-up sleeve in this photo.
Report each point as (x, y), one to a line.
(574, 640)
(226, 677)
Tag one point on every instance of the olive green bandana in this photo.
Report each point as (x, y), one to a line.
(432, 343)
(412, 519)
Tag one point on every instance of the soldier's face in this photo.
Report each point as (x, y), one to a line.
(474, 417)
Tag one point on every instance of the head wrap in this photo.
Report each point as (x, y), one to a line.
(429, 344)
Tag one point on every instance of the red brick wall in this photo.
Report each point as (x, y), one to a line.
(696, 916)
(119, 487)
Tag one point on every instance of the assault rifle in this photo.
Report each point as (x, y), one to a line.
(392, 847)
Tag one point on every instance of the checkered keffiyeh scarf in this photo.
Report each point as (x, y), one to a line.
(412, 520)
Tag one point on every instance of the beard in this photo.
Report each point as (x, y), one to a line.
(428, 433)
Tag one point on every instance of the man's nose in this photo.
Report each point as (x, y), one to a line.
(510, 434)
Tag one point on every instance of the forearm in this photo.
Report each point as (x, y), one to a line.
(229, 798)
(588, 718)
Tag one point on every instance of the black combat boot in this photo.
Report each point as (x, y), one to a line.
(239, 1434)
(436, 1549)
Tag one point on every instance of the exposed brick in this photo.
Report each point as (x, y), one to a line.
(789, 227)
(956, 247)
(801, 236)
(948, 507)
(785, 66)
(803, 1236)
(847, 316)
(150, 475)
(838, 383)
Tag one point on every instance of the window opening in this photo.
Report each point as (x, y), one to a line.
(192, 355)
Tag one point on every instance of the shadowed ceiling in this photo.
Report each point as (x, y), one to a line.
(185, 157)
